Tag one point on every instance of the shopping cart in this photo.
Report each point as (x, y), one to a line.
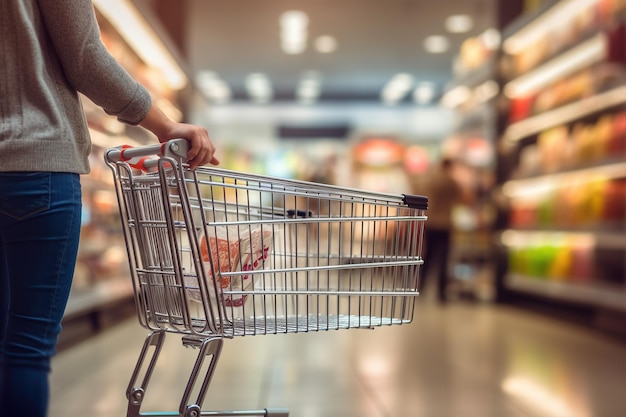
(216, 254)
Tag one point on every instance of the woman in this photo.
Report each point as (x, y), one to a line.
(50, 51)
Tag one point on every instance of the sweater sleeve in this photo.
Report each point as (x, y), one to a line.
(87, 64)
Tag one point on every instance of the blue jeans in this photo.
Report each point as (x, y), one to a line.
(39, 233)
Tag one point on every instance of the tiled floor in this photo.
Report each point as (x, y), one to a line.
(462, 359)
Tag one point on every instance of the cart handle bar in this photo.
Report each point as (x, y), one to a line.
(137, 156)
(267, 412)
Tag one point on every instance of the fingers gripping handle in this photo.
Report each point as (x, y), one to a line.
(175, 148)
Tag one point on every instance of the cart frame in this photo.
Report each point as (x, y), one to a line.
(217, 254)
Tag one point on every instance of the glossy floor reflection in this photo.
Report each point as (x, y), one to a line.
(459, 360)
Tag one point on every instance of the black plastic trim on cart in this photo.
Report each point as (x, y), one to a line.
(419, 202)
(299, 213)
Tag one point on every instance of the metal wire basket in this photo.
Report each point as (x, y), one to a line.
(218, 254)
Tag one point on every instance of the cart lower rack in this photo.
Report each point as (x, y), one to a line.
(217, 254)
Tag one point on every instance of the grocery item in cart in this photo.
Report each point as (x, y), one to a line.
(224, 252)
(234, 249)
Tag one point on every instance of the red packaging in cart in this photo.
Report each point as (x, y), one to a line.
(254, 251)
(234, 249)
(224, 253)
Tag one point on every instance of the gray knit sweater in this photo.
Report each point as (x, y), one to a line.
(49, 50)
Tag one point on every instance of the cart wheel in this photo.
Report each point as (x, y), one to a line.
(136, 396)
(192, 411)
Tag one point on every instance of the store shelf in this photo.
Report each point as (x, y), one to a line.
(101, 295)
(607, 296)
(487, 71)
(547, 182)
(599, 236)
(473, 95)
(101, 287)
(566, 114)
(580, 56)
(562, 23)
(90, 312)
(566, 190)
(477, 88)
(528, 18)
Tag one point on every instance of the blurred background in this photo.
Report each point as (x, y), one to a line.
(527, 97)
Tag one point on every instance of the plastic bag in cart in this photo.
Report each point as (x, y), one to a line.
(232, 249)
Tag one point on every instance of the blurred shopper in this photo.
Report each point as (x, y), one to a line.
(50, 50)
(443, 194)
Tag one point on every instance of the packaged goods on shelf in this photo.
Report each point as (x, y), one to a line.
(565, 131)
(599, 78)
(579, 201)
(101, 278)
(570, 29)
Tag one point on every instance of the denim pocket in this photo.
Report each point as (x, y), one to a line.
(23, 194)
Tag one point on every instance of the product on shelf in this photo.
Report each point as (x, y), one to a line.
(583, 201)
(520, 108)
(580, 145)
(558, 38)
(617, 143)
(569, 258)
(567, 126)
(583, 84)
(551, 144)
(474, 53)
(101, 263)
(614, 207)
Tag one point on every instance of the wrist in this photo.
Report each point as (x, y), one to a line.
(158, 123)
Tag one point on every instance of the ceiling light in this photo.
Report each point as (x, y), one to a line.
(259, 87)
(213, 87)
(456, 97)
(397, 88)
(436, 44)
(294, 20)
(307, 94)
(326, 44)
(486, 91)
(460, 23)
(424, 93)
(491, 38)
(293, 31)
(134, 29)
(220, 92)
(309, 88)
(257, 82)
(293, 48)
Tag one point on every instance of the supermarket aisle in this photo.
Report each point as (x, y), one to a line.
(458, 360)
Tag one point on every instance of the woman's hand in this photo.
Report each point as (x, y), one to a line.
(201, 151)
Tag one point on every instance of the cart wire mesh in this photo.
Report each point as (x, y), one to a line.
(214, 252)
